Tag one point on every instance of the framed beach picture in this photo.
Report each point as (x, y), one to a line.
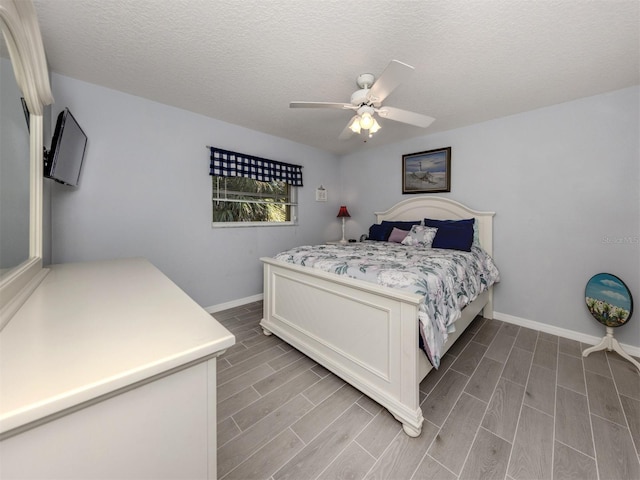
(427, 172)
(608, 299)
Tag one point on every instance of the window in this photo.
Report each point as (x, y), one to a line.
(239, 199)
(250, 191)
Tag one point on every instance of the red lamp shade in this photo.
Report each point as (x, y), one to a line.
(343, 212)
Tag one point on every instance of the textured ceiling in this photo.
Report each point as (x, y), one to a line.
(244, 61)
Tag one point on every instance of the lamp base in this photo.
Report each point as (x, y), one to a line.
(343, 241)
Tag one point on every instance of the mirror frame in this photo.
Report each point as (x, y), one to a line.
(19, 24)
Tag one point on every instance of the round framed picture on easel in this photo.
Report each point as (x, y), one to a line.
(610, 302)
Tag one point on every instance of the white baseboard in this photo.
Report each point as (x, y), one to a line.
(561, 332)
(233, 303)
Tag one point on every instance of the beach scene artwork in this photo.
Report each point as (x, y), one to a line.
(427, 172)
(608, 300)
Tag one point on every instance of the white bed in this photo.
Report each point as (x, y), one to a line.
(324, 316)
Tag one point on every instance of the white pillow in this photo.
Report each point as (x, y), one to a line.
(420, 236)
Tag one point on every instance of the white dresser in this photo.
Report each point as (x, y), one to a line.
(108, 371)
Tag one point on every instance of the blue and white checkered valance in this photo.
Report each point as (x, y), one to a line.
(232, 164)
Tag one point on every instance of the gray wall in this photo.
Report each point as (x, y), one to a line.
(564, 183)
(145, 191)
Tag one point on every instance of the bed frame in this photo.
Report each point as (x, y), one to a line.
(365, 333)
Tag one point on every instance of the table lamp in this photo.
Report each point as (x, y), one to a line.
(343, 213)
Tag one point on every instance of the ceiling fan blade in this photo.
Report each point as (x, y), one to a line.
(405, 116)
(341, 106)
(347, 132)
(392, 76)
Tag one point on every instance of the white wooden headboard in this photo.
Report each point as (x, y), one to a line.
(441, 208)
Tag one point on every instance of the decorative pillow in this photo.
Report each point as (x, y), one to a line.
(397, 235)
(476, 233)
(420, 236)
(381, 231)
(452, 234)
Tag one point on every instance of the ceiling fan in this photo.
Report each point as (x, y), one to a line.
(368, 100)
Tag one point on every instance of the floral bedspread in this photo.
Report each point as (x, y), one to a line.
(448, 279)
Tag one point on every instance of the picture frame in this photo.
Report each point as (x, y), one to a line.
(609, 300)
(427, 172)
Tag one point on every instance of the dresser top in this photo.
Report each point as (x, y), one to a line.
(90, 329)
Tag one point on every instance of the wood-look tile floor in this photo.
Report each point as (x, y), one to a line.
(507, 403)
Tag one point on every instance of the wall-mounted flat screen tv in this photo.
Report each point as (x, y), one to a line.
(64, 160)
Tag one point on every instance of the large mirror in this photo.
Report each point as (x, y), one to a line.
(14, 171)
(21, 191)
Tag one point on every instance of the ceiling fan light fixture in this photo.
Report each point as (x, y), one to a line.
(366, 121)
(355, 124)
(367, 101)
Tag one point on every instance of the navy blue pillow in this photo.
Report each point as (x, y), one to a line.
(429, 222)
(401, 225)
(378, 232)
(452, 234)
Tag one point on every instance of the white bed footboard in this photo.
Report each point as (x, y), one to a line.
(364, 333)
